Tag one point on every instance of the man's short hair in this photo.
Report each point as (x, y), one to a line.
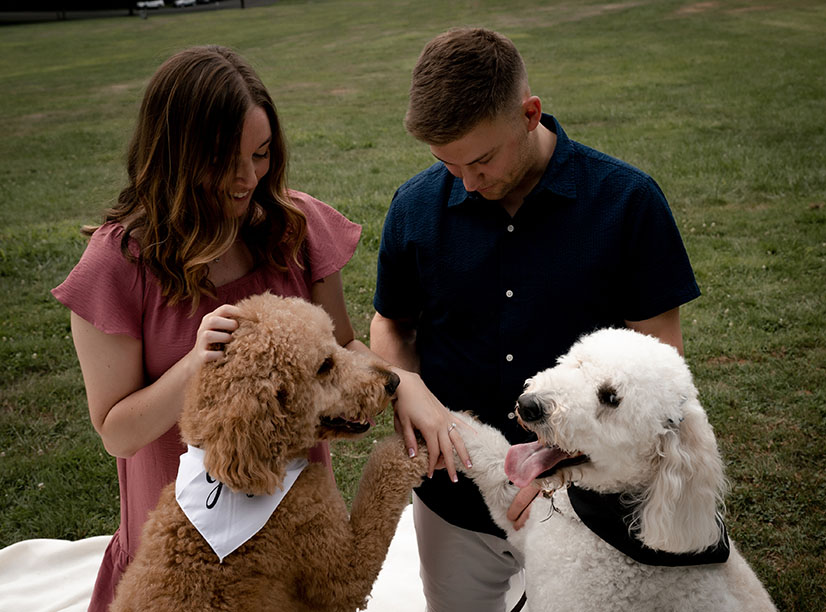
(463, 77)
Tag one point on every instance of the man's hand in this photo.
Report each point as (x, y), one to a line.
(520, 508)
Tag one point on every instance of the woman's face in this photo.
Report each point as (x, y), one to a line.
(253, 160)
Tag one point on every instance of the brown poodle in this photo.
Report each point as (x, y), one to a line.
(284, 384)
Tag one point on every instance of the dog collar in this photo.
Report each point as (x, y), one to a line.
(608, 517)
(224, 518)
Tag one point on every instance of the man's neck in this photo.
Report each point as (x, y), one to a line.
(543, 150)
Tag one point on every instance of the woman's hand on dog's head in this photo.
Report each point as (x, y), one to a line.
(214, 333)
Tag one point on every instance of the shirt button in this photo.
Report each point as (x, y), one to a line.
(510, 228)
(508, 357)
(509, 293)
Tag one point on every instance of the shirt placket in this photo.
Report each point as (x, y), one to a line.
(508, 291)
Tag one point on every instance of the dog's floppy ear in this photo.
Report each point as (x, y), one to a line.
(240, 409)
(678, 512)
(247, 450)
(241, 426)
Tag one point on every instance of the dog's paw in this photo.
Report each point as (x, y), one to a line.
(394, 456)
(480, 440)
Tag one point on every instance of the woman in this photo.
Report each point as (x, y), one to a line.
(206, 220)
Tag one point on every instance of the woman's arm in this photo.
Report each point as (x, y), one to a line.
(127, 414)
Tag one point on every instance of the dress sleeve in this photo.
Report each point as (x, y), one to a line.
(105, 288)
(331, 237)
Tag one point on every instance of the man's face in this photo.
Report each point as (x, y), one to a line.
(492, 159)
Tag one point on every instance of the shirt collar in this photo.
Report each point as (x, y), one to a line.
(558, 177)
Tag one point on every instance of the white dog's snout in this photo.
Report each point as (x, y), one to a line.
(530, 407)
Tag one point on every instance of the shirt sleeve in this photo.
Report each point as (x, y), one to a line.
(658, 272)
(105, 288)
(331, 237)
(398, 293)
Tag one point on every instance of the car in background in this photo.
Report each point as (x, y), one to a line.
(180, 3)
(150, 4)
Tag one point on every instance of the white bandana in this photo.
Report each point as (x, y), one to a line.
(225, 519)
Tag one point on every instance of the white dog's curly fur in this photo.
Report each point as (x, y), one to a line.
(624, 406)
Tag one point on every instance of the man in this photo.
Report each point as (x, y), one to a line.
(493, 262)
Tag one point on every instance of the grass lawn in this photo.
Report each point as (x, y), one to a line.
(722, 102)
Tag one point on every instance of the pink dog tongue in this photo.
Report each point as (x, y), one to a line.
(525, 462)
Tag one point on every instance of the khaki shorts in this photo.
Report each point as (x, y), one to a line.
(466, 571)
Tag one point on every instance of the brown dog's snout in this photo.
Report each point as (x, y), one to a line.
(392, 383)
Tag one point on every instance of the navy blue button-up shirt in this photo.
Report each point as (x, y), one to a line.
(498, 298)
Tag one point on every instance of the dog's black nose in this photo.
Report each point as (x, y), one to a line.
(392, 383)
(530, 408)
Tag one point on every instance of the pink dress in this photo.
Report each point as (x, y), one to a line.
(120, 297)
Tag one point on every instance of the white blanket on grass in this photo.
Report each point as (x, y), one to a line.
(57, 575)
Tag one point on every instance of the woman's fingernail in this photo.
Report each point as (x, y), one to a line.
(455, 478)
(411, 451)
(469, 464)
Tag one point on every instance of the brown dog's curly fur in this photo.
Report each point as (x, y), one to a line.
(284, 384)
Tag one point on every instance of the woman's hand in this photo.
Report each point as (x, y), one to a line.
(213, 334)
(416, 408)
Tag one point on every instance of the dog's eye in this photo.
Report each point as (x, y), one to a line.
(326, 365)
(608, 396)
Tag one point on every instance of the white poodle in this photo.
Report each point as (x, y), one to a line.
(620, 426)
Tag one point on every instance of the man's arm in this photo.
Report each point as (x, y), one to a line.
(395, 341)
(665, 326)
(416, 408)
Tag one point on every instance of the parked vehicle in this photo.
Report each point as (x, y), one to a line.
(150, 4)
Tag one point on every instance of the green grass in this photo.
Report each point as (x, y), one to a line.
(722, 102)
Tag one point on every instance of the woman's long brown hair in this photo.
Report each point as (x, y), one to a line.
(180, 166)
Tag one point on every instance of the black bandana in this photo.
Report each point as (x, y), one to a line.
(607, 516)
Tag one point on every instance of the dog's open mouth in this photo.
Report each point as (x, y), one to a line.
(527, 462)
(345, 427)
